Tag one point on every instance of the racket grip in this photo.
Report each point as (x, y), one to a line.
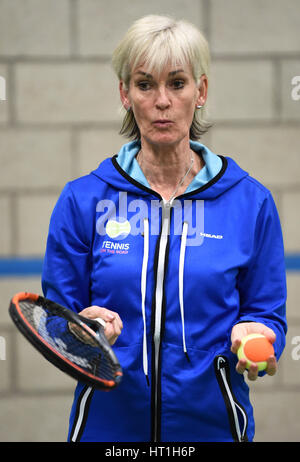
(100, 321)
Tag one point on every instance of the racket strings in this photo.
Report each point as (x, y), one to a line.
(82, 349)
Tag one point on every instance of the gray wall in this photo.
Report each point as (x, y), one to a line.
(60, 119)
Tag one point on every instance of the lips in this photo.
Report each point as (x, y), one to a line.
(162, 123)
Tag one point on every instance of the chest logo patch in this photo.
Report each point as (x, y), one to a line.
(116, 228)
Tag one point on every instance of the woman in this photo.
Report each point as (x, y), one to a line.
(178, 249)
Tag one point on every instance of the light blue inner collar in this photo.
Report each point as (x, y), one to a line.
(213, 164)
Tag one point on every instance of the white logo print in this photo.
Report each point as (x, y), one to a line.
(212, 236)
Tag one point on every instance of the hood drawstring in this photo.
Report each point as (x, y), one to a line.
(181, 273)
(143, 293)
(144, 285)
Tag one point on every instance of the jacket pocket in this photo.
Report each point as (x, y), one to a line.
(81, 415)
(236, 413)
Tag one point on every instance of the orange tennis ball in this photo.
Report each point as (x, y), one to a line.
(255, 348)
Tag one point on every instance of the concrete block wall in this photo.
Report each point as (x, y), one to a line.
(61, 117)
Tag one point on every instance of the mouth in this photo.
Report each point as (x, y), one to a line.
(163, 123)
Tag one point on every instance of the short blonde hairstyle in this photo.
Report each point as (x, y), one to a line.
(159, 41)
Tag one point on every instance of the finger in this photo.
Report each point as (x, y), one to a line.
(235, 345)
(111, 333)
(116, 328)
(253, 372)
(241, 366)
(106, 314)
(114, 318)
(271, 366)
(113, 329)
(93, 312)
(118, 324)
(117, 320)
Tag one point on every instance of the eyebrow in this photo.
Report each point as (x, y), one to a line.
(149, 76)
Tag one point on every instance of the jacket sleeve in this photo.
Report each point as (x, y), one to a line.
(262, 282)
(66, 266)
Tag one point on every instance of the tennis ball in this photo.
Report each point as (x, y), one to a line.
(255, 348)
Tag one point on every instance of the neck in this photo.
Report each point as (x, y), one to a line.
(169, 169)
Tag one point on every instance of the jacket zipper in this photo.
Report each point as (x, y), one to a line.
(158, 314)
(234, 409)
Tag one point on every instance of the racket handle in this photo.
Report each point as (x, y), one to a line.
(100, 321)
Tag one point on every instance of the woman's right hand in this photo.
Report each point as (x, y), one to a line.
(113, 322)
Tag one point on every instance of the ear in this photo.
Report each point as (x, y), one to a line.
(124, 95)
(202, 90)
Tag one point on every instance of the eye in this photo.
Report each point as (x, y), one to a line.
(144, 85)
(178, 84)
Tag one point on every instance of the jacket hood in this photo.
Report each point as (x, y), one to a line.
(229, 175)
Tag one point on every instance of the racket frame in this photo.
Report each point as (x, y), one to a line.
(52, 355)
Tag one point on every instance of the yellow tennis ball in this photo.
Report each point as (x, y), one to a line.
(255, 348)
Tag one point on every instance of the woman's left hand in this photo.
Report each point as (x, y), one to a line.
(245, 328)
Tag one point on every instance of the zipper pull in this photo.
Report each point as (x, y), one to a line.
(220, 362)
(168, 204)
(234, 409)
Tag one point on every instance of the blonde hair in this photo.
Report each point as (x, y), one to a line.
(159, 41)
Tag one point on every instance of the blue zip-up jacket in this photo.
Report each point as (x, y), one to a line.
(180, 275)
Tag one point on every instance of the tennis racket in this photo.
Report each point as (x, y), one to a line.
(74, 344)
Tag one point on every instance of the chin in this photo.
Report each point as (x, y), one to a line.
(165, 139)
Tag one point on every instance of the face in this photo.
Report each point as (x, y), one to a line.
(164, 104)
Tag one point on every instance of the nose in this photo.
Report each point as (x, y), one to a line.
(162, 98)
